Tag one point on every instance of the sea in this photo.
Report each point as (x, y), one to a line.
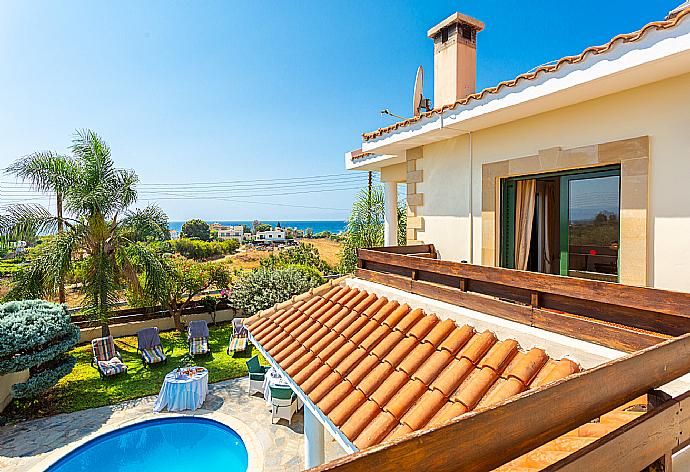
(316, 226)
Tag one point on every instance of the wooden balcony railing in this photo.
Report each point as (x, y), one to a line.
(633, 317)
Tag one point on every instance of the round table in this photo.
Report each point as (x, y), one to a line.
(273, 379)
(181, 391)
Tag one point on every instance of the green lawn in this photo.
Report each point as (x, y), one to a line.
(83, 388)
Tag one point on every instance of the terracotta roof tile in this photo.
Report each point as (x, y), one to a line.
(335, 396)
(457, 339)
(350, 403)
(383, 312)
(325, 386)
(526, 365)
(451, 378)
(499, 356)
(477, 346)
(376, 430)
(389, 388)
(360, 418)
(545, 69)
(409, 320)
(387, 344)
(439, 333)
(421, 413)
(380, 370)
(423, 326)
(396, 315)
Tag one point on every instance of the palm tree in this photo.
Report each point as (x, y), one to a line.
(100, 230)
(47, 172)
(365, 226)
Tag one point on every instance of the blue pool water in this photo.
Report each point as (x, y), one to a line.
(167, 444)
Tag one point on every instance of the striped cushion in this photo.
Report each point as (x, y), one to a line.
(237, 344)
(112, 367)
(153, 355)
(198, 346)
(103, 348)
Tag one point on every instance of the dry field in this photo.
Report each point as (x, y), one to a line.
(328, 249)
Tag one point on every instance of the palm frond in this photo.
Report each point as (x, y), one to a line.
(46, 171)
(156, 271)
(142, 224)
(41, 276)
(23, 221)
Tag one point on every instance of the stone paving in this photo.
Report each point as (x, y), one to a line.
(25, 445)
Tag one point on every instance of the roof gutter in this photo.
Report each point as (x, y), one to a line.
(344, 442)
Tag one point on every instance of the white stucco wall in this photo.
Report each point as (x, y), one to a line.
(660, 110)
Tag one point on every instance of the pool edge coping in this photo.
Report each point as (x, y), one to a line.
(255, 452)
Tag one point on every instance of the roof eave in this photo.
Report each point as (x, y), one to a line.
(345, 443)
(659, 54)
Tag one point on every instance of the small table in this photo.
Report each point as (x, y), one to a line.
(182, 391)
(273, 379)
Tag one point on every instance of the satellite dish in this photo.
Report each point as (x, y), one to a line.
(418, 100)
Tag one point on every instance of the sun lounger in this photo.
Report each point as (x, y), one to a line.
(197, 336)
(239, 340)
(106, 358)
(150, 347)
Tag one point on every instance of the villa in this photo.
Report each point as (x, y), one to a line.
(274, 235)
(537, 319)
(225, 233)
(577, 167)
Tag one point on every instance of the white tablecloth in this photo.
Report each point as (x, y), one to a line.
(185, 393)
(273, 379)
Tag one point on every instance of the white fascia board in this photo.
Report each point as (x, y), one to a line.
(658, 55)
(371, 162)
(344, 442)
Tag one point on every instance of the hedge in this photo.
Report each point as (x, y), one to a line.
(35, 334)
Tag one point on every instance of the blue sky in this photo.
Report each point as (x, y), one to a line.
(227, 91)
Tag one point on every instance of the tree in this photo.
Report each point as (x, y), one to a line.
(196, 229)
(303, 254)
(99, 232)
(184, 280)
(35, 335)
(365, 226)
(48, 172)
(247, 229)
(262, 227)
(309, 233)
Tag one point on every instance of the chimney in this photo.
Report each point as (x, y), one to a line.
(455, 58)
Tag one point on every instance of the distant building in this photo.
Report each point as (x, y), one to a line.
(275, 235)
(235, 232)
(174, 234)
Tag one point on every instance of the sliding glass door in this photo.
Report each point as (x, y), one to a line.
(568, 223)
(590, 225)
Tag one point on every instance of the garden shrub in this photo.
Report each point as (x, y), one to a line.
(34, 335)
(262, 288)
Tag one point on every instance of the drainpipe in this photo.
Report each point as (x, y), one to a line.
(314, 454)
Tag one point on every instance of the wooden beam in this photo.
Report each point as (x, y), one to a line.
(637, 444)
(656, 300)
(488, 438)
(590, 330)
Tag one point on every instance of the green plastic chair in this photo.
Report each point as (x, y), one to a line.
(257, 373)
(283, 403)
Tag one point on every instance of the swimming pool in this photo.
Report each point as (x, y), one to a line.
(174, 444)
